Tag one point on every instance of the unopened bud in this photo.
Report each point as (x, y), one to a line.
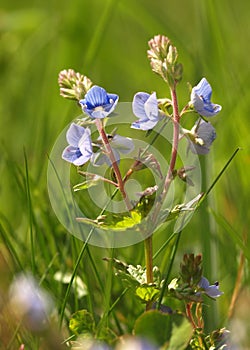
(163, 59)
(73, 85)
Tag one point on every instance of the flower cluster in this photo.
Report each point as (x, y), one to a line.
(106, 149)
(97, 104)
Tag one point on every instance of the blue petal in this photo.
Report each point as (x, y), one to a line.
(97, 103)
(198, 149)
(70, 154)
(99, 158)
(74, 134)
(204, 283)
(204, 89)
(206, 132)
(85, 145)
(200, 98)
(96, 96)
(138, 103)
(151, 107)
(122, 144)
(213, 291)
(145, 124)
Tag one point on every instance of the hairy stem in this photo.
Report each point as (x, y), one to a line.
(115, 167)
(169, 177)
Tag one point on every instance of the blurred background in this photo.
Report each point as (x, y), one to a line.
(107, 41)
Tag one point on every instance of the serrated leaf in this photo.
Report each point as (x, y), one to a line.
(154, 326)
(82, 322)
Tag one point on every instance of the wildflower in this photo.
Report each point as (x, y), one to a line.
(79, 150)
(201, 136)
(119, 144)
(97, 103)
(145, 107)
(210, 290)
(200, 99)
(30, 302)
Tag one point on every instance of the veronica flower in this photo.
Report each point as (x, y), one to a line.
(210, 290)
(201, 99)
(201, 136)
(79, 150)
(98, 103)
(29, 302)
(145, 107)
(119, 144)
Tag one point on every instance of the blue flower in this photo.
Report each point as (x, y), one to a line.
(79, 150)
(210, 290)
(119, 144)
(201, 136)
(200, 99)
(145, 107)
(98, 103)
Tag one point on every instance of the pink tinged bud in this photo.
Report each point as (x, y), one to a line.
(73, 85)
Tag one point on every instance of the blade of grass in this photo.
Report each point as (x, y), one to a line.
(171, 262)
(232, 233)
(64, 303)
(30, 213)
(100, 31)
(10, 246)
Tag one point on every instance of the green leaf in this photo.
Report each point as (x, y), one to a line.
(82, 322)
(154, 326)
(182, 332)
(147, 292)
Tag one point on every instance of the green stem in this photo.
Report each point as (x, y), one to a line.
(148, 244)
(172, 257)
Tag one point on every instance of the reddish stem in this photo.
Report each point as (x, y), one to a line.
(189, 314)
(169, 177)
(115, 167)
(176, 130)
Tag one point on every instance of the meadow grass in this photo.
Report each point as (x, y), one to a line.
(107, 41)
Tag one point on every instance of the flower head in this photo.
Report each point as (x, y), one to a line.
(30, 302)
(73, 85)
(145, 107)
(201, 136)
(79, 150)
(119, 144)
(201, 99)
(210, 290)
(97, 103)
(163, 59)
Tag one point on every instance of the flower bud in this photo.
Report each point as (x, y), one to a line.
(163, 59)
(191, 270)
(73, 85)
